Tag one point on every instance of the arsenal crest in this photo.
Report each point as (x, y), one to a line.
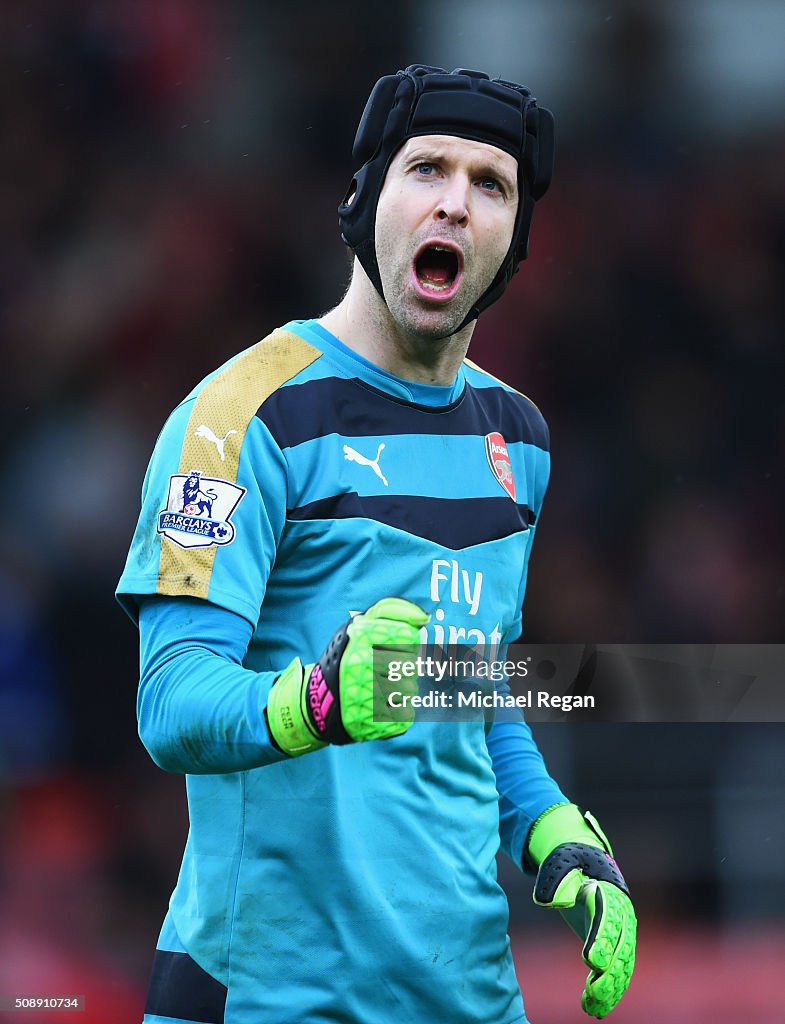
(499, 461)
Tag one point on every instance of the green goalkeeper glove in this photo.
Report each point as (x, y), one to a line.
(578, 875)
(342, 698)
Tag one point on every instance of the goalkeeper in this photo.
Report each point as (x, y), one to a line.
(353, 482)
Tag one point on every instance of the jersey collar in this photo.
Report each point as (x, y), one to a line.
(357, 366)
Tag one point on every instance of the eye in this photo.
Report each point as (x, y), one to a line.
(425, 168)
(490, 184)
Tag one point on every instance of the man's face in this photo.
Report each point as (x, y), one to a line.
(444, 224)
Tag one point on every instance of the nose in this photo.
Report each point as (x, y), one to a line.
(453, 205)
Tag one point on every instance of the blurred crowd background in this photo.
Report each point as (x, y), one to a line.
(168, 184)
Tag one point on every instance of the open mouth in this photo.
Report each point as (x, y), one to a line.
(437, 269)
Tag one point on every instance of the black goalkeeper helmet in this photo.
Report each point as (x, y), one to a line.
(431, 101)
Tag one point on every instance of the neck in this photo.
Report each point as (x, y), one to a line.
(364, 324)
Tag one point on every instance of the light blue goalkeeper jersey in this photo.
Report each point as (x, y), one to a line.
(298, 484)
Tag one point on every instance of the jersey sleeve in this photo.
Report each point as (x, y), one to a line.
(213, 509)
(538, 469)
(523, 782)
(524, 785)
(200, 711)
(194, 581)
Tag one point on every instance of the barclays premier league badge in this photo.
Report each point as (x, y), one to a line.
(198, 510)
(499, 461)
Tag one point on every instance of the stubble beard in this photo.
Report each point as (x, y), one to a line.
(416, 317)
(434, 323)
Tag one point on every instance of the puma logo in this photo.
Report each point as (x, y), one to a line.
(219, 442)
(353, 456)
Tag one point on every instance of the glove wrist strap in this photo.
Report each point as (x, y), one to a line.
(563, 823)
(287, 718)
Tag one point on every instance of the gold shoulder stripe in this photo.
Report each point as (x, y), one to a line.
(216, 430)
(474, 366)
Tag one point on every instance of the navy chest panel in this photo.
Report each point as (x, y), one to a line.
(355, 452)
(452, 522)
(302, 412)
